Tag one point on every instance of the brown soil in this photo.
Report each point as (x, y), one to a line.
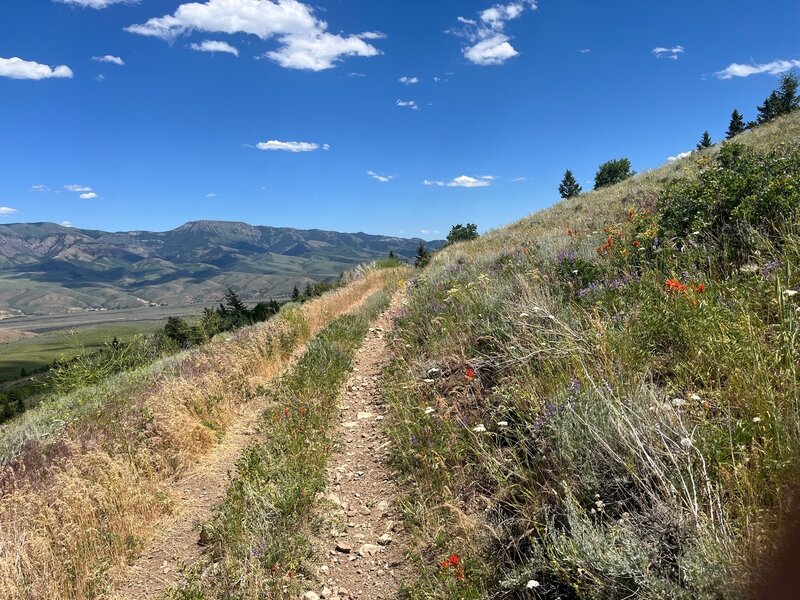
(362, 546)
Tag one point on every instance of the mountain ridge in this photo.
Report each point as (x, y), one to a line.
(47, 268)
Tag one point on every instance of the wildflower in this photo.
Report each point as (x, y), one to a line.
(454, 560)
(756, 419)
(686, 442)
(675, 286)
(532, 584)
(470, 374)
(678, 402)
(695, 397)
(429, 410)
(789, 293)
(479, 428)
(635, 243)
(502, 423)
(428, 380)
(700, 288)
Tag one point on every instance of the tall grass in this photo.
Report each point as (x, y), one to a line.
(614, 403)
(86, 476)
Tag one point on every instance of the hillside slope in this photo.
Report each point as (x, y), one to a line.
(46, 268)
(601, 400)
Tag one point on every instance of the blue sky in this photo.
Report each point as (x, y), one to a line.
(117, 116)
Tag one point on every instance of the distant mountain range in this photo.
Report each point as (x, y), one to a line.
(47, 268)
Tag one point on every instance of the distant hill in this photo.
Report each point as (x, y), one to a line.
(48, 268)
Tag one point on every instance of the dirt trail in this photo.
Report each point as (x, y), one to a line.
(362, 550)
(196, 495)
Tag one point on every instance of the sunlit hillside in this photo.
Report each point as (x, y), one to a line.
(600, 400)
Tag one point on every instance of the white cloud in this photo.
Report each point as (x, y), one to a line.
(7, 210)
(408, 80)
(98, 4)
(109, 58)
(427, 231)
(77, 188)
(304, 42)
(88, 196)
(16, 68)
(67, 224)
(489, 44)
(494, 51)
(776, 67)
(670, 53)
(678, 156)
(412, 104)
(291, 146)
(519, 179)
(215, 46)
(39, 188)
(464, 181)
(585, 50)
(211, 195)
(379, 177)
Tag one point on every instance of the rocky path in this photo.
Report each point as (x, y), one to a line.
(361, 545)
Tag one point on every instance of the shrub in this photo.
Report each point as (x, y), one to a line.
(612, 172)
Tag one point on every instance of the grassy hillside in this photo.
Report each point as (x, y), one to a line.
(601, 400)
(87, 476)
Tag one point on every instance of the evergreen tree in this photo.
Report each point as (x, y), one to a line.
(736, 126)
(23, 372)
(309, 293)
(705, 141)
(462, 233)
(613, 171)
(781, 101)
(423, 256)
(295, 294)
(569, 187)
(392, 255)
(788, 99)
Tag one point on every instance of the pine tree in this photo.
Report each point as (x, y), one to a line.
(705, 141)
(392, 255)
(736, 126)
(788, 100)
(769, 110)
(423, 256)
(295, 294)
(781, 101)
(569, 187)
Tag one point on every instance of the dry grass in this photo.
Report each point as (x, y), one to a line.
(82, 493)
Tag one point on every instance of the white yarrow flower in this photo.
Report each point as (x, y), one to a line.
(479, 428)
(532, 584)
(429, 410)
(756, 419)
(789, 293)
(503, 423)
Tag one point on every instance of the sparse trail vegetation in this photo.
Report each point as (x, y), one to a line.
(261, 537)
(87, 477)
